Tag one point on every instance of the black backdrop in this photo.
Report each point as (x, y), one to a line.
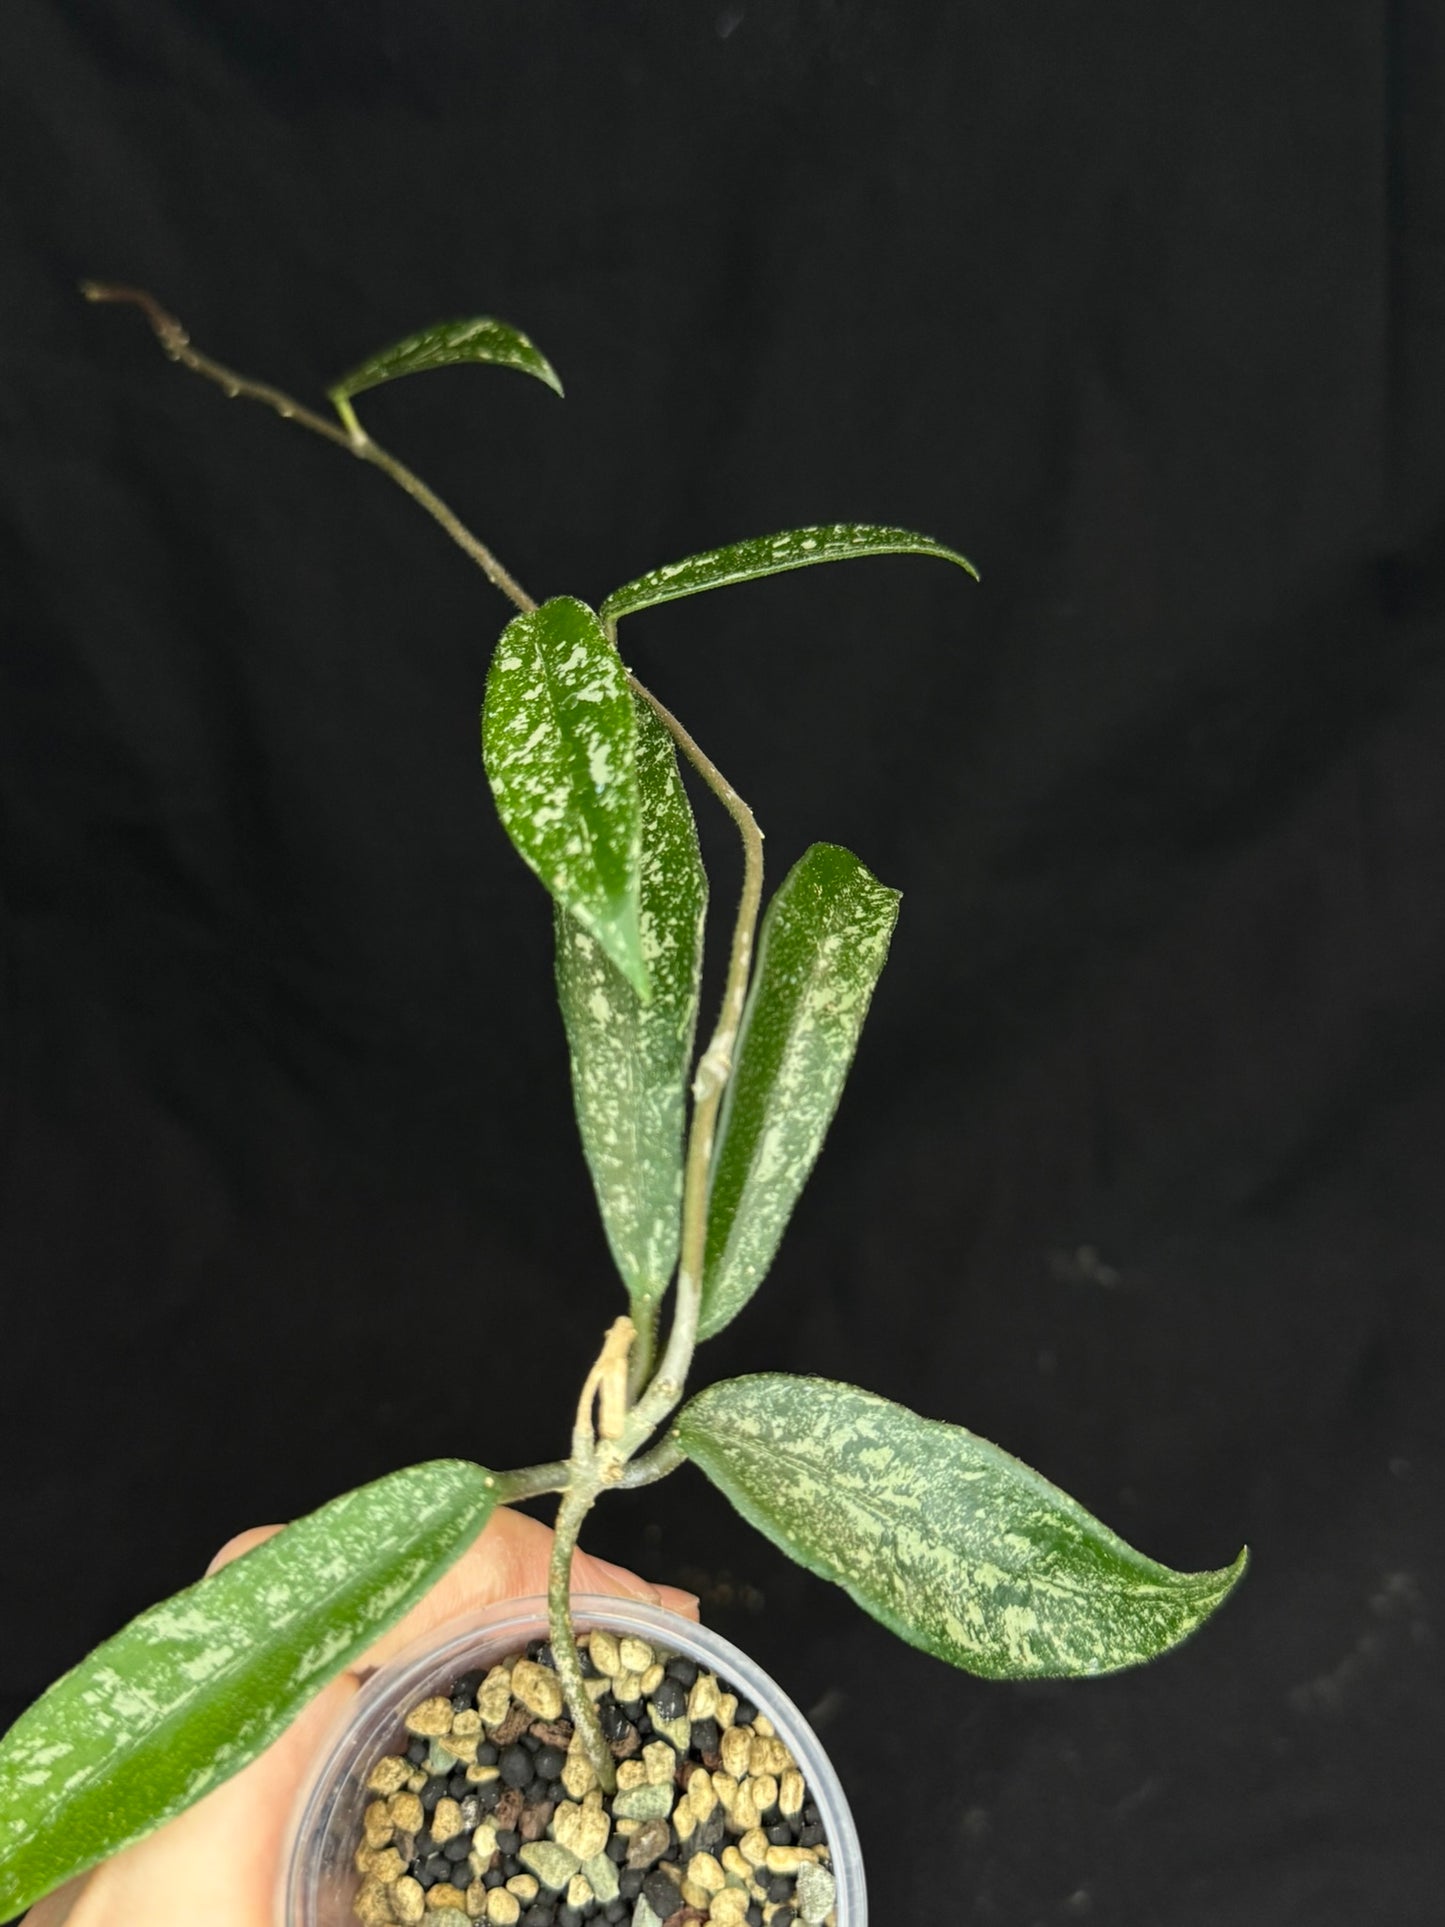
(1138, 1171)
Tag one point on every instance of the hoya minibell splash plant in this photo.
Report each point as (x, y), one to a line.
(697, 1165)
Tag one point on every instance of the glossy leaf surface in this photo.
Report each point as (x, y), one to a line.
(771, 555)
(446, 345)
(196, 1687)
(823, 945)
(630, 1060)
(559, 739)
(955, 1546)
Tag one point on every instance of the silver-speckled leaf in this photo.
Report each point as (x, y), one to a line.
(955, 1546)
(559, 739)
(196, 1687)
(823, 945)
(771, 555)
(444, 346)
(630, 1060)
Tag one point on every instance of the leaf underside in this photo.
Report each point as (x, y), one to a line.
(771, 555)
(823, 945)
(192, 1690)
(630, 1060)
(446, 345)
(954, 1545)
(559, 740)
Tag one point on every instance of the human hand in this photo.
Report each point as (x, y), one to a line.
(220, 1861)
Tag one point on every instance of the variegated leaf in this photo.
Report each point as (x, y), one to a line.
(771, 555)
(823, 946)
(196, 1687)
(444, 346)
(559, 739)
(955, 1546)
(630, 1060)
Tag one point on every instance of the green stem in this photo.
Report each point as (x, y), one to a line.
(714, 1069)
(577, 1502)
(353, 438)
(652, 1466)
(531, 1481)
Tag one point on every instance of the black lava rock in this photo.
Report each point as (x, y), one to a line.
(661, 1895)
(613, 1721)
(670, 1699)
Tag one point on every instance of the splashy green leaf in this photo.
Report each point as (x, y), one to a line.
(559, 739)
(196, 1687)
(771, 555)
(630, 1060)
(950, 1542)
(823, 945)
(445, 345)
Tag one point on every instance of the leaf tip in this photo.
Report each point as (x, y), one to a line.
(1231, 1575)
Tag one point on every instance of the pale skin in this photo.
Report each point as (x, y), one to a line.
(221, 1859)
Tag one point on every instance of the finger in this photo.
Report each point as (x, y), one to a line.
(57, 1908)
(509, 1560)
(590, 1574)
(243, 1542)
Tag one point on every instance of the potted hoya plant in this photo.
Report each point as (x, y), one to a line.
(570, 1759)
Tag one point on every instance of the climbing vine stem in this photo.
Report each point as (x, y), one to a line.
(353, 438)
(604, 1455)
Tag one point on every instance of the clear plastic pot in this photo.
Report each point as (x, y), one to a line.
(318, 1881)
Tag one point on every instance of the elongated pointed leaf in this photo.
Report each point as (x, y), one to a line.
(444, 346)
(823, 945)
(630, 1060)
(955, 1546)
(196, 1687)
(771, 555)
(559, 739)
